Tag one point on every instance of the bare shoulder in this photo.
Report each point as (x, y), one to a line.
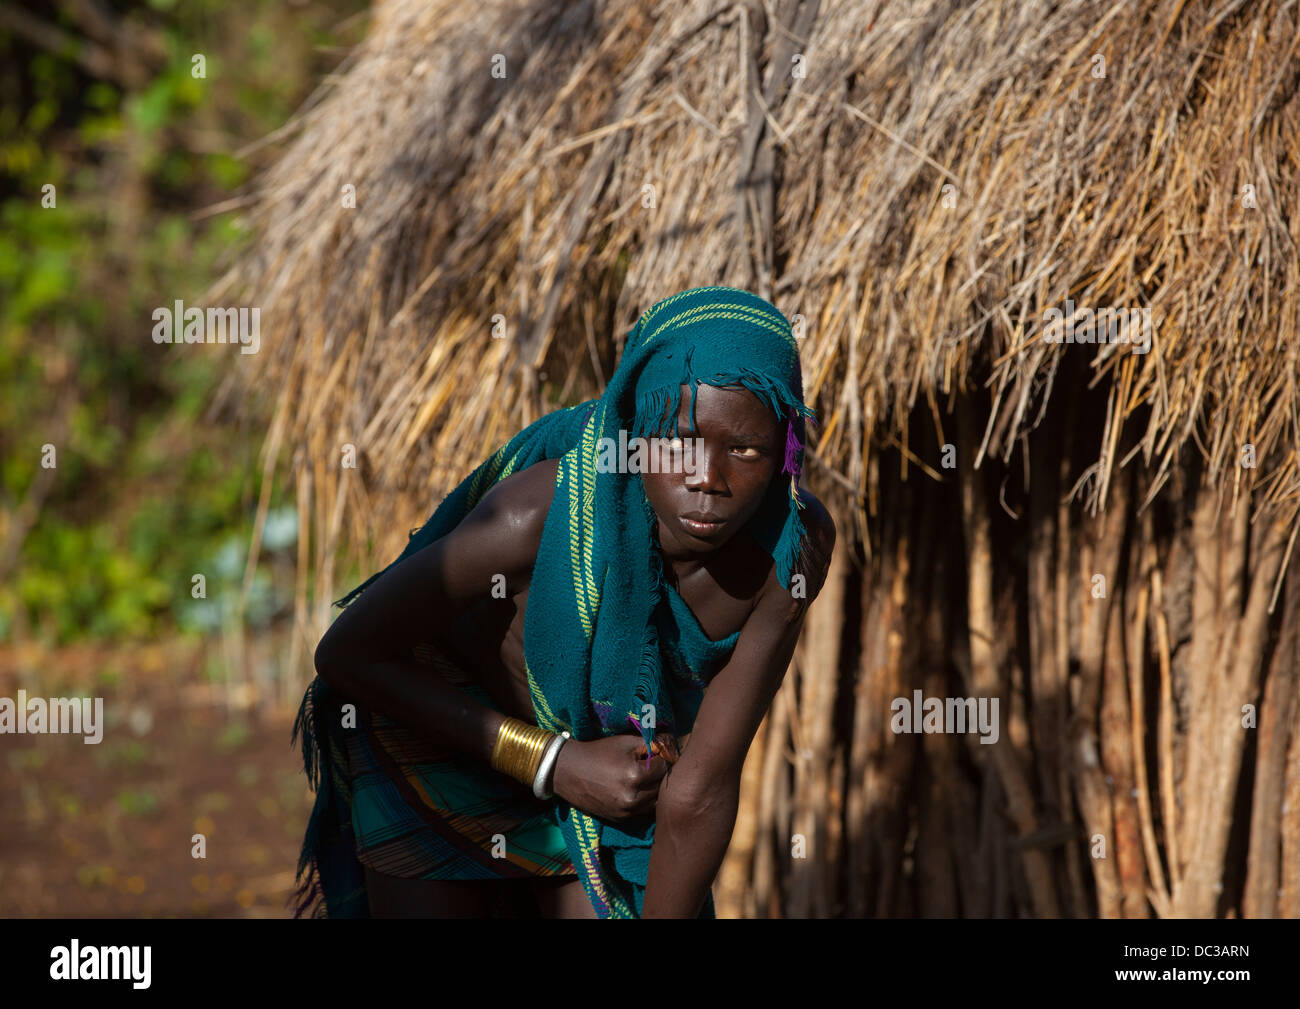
(820, 528)
(523, 498)
(811, 566)
(502, 533)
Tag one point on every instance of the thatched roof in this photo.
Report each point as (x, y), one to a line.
(941, 174)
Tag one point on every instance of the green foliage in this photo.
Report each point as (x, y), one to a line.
(147, 491)
(121, 754)
(137, 801)
(235, 735)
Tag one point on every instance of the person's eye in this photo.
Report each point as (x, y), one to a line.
(749, 448)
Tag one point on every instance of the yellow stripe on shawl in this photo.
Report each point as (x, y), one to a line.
(485, 472)
(489, 472)
(589, 840)
(752, 311)
(548, 719)
(588, 508)
(659, 307)
(575, 542)
(745, 313)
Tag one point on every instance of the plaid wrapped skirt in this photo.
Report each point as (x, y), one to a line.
(423, 812)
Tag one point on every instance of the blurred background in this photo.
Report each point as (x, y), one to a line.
(150, 485)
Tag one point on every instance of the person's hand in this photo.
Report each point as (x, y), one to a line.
(663, 745)
(605, 778)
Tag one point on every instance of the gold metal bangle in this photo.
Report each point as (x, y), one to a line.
(513, 747)
(531, 753)
(503, 751)
(519, 749)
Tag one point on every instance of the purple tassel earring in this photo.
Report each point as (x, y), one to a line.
(793, 453)
(792, 446)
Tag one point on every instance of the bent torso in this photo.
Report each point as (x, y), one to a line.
(486, 641)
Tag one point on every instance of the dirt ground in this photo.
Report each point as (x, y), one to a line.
(106, 829)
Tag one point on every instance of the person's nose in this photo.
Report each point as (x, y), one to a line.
(708, 474)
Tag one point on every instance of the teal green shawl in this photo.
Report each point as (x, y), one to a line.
(597, 583)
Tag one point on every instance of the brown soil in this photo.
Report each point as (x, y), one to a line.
(106, 829)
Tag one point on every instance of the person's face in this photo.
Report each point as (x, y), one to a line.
(741, 447)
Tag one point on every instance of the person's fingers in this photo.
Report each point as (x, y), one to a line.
(666, 746)
(648, 782)
(646, 805)
(663, 745)
(649, 777)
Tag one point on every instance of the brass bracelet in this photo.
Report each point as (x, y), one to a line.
(527, 753)
(519, 749)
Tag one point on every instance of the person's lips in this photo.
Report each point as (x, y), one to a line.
(702, 524)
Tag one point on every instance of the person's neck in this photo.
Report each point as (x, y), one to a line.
(682, 562)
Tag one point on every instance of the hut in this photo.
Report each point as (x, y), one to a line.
(953, 202)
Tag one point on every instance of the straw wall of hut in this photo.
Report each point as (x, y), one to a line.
(1095, 536)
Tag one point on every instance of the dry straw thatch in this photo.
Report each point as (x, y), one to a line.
(919, 181)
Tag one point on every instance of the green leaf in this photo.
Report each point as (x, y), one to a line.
(148, 110)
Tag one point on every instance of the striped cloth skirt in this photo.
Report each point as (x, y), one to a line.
(420, 811)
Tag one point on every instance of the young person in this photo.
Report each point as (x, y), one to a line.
(600, 638)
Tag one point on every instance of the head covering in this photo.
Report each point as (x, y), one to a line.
(597, 582)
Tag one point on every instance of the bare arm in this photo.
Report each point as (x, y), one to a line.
(367, 653)
(699, 797)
